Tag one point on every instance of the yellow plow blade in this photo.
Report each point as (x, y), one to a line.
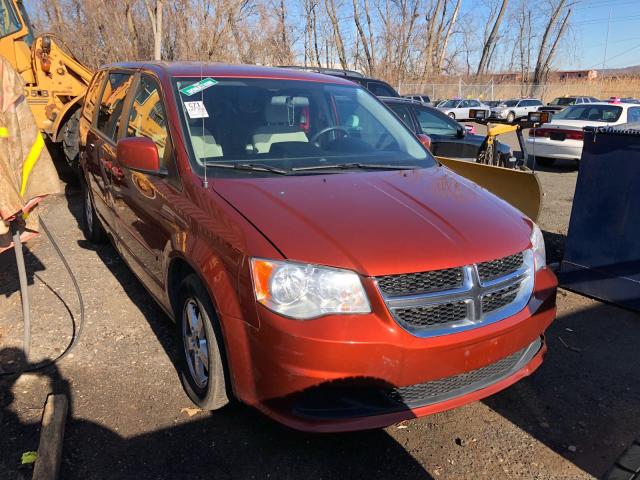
(520, 188)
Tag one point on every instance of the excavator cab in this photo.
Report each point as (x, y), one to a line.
(55, 81)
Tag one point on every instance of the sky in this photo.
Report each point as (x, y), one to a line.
(588, 31)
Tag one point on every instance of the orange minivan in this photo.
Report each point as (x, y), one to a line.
(319, 263)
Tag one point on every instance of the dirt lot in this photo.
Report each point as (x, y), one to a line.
(571, 419)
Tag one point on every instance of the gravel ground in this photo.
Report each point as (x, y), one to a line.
(131, 419)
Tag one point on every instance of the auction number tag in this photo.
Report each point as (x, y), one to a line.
(196, 109)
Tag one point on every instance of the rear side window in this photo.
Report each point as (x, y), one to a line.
(8, 19)
(433, 123)
(147, 117)
(380, 90)
(91, 97)
(403, 113)
(113, 98)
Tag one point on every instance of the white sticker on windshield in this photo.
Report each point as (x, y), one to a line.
(196, 109)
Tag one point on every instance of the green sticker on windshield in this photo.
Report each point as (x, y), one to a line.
(198, 86)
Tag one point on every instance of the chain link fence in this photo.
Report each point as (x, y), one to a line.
(500, 91)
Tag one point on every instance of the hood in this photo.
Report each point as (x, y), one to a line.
(379, 223)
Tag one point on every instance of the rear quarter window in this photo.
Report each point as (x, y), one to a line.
(112, 103)
(91, 97)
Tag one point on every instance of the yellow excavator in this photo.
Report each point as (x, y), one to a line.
(55, 80)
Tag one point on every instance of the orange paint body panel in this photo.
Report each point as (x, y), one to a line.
(336, 372)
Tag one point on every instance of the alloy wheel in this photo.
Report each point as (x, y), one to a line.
(196, 347)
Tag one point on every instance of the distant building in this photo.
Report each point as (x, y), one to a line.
(561, 75)
(574, 75)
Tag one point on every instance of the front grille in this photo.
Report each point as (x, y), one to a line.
(500, 267)
(432, 315)
(438, 390)
(422, 282)
(500, 298)
(441, 302)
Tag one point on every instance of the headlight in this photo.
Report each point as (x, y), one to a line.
(304, 291)
(539, 251)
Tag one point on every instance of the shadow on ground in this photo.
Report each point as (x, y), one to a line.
(235, 442)
(587, 392)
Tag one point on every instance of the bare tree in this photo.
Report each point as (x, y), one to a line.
(331, 11)
(155, 15)
(490, 42)
(545, 56)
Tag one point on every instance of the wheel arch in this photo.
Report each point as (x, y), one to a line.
(69, 109)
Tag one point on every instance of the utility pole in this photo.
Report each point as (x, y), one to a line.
(606, 43)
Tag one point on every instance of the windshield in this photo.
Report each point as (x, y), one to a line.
(287, 124)
(509, 103)
(563, 101)
(450, 104)
(591, 113)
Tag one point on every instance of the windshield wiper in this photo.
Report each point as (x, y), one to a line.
(255, 167)
(348, 166)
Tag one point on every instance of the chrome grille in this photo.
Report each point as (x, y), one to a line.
(500, 267)
(456, 299)
(427, 316)
(500, 298)
(412, 283)
(449, 387)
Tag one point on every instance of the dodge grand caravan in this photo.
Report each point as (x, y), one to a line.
(320, 265)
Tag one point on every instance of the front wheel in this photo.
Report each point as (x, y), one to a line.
(202, 373)
(71, 140)
(511, 117)
(91, 225)
(452, 115)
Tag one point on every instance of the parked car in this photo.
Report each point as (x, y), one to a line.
(512, 110)
(320, 265)
(563, 137)
(378, 87)
(459, 109)
(448, 137)
(561, 103)
(492, 103)
(424, 99)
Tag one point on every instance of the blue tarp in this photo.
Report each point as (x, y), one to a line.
(602, 250)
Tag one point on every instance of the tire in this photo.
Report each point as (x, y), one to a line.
(511, 117)
(91, 226)
(452, 115)
(71, 140)
(203, 377)
(545, 161)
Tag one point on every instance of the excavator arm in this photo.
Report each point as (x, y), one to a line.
(55, 80)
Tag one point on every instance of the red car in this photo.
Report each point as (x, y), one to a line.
(320, 265)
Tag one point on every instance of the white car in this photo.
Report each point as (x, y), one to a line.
(511, 110)
(563, 137)
(459, 109)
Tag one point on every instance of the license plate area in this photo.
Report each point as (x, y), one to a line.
(560, 137)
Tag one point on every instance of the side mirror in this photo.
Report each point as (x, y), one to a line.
(425, 140)
(461, 131)
(139, 153)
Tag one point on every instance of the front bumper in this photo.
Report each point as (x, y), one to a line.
(353, 372)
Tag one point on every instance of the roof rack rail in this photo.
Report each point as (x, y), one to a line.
(333, 71)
